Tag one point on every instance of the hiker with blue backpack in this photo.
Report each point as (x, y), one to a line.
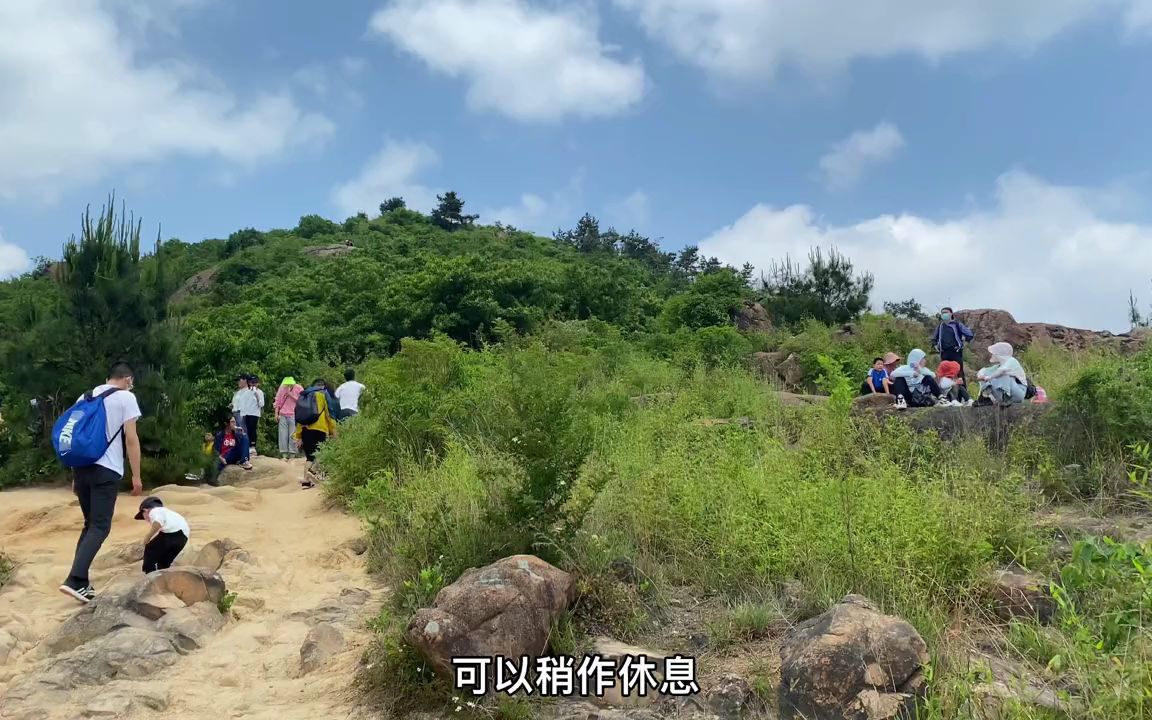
(92, 438)
(317, 412)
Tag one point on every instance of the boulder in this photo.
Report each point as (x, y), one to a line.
(110, 610)
(991, 326)
(505, 609)
(731, 697)
(125, 554)
(1015, 593)
(193, 625)
(1007, 687)
(323, 642)
(851, 663)
(752, 317)
(616, 652)
(212, 555)
(780, 368)
(995, 424)
(125, 653)
(175, 587)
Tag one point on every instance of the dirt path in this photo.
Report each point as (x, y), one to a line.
(297, 568)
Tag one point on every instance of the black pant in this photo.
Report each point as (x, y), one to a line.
(929, 388)
(96, 488)
(163, 549)
(310, 440)
(250, 423)
(956, 356)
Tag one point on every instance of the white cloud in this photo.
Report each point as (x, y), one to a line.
(392, 172)
(630, 213)
(847, 160)
(1044, 252)
(13, 259)
(539, 214)
(78, 101)
(524, 61)
(752, 39)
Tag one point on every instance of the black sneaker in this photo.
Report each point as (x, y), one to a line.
(85, 594)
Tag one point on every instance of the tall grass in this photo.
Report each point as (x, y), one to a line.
(589, 451)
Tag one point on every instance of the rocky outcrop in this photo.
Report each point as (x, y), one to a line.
(851, 663)
(129, 632)
(199, 283)
(991, 326)
(752, 317)
(1014, 593)
(505, 609)
(323, 641)
(327, 251)
(780, 368)
(996, 425)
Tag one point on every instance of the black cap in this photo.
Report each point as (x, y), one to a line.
(147, 504)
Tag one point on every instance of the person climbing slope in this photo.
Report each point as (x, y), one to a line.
(167, 535)
(92, 438)
(314, 424)
(285, 407)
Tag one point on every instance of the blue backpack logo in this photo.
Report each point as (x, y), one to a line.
(80, 435)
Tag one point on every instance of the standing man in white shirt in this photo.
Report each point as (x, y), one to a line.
(247, 404)
(96, 485)
(348, 394)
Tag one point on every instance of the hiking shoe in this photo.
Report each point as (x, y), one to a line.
(85, 594)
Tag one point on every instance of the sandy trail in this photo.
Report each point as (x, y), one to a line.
(297, 570)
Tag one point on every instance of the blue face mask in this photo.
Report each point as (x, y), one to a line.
(946, 317)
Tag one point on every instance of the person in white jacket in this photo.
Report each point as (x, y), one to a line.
(915, 382)
(247, 406)
(1004, 381)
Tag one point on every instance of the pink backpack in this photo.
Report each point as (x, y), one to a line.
(1041, 396)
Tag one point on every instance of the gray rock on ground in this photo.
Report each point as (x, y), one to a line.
(506, 609)
(1015, 593)
(851, 663)
(323, 641)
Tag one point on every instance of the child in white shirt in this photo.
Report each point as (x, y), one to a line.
(166, 537)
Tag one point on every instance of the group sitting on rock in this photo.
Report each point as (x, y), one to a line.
(914, 384)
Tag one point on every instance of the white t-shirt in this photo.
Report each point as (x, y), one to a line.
(349, 395)
(119, 407)
(170, 521)
(248, 401)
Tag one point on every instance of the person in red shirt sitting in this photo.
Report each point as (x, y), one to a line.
(232, 445)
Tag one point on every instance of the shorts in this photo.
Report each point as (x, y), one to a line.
(310, 441)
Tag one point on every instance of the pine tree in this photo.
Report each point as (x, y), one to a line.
(449, 214)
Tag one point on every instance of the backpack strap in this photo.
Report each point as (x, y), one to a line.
(101, 397)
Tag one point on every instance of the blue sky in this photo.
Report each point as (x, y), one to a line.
(979, 153)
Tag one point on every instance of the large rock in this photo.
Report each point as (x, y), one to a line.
(994, 424)
(212, 555)
(505, 609)
(1018, 594)
(323, 641)
(780, 368)
(110, 610)
(990, 326)
(126, 554)
(752, 317)
(851, 663)
(617, 652)
(176, 587)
